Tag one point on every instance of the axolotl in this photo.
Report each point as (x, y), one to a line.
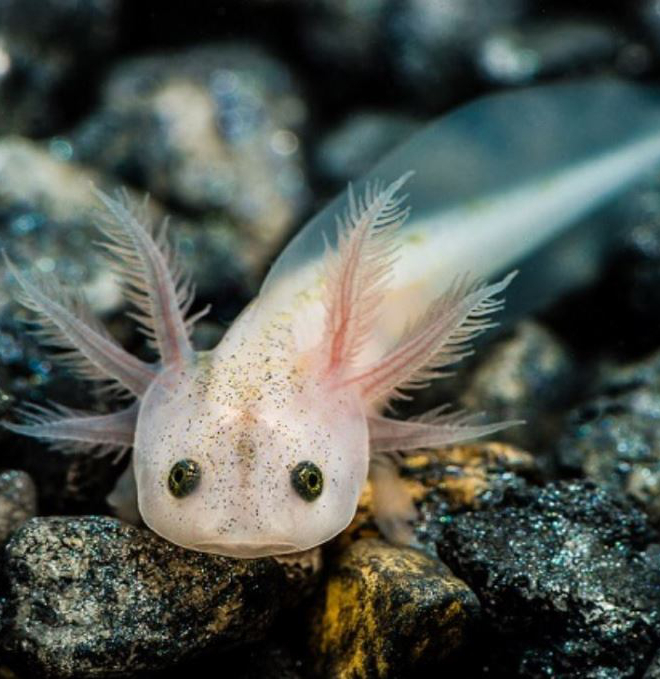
(263, 445)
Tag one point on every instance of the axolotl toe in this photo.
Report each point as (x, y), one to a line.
(263, 445)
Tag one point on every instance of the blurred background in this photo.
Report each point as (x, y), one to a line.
(241, 119)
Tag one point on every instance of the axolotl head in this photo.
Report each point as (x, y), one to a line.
(248, 456)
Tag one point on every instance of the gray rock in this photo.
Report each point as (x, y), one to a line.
(568, 576)
(423, 47)
(47, 215)
(94, 597)
(211, 128)
(614, 438)
(528, 376)
(431, 44)
(522, 54)
(18, 501)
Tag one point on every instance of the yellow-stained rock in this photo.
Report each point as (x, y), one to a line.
(467, 470)
(387, 611)
(461, 474)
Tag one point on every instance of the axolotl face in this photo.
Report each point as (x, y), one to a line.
(248, 457)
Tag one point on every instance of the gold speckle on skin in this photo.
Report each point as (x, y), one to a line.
(415, 238)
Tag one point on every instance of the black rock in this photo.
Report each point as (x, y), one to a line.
(431, 44)
(80, 26)
(46, 48)
(647, 16)
(94, 597)
(345, 35)
(377, 50)
(567, 576)
(632, 287)
(617, 314)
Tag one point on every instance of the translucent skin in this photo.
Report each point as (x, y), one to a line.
(362, 306)
(297, 383)
(248, 417)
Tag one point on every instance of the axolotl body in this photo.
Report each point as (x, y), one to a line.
(263, 445)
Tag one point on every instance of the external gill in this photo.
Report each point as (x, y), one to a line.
(359, 270)
(162, 297)
(357, 277)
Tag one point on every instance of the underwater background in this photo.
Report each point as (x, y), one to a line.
(241, 120)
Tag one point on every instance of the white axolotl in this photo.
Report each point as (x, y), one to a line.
(263, 445)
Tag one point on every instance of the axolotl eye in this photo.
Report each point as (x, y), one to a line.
(307, 480)
(184, 477)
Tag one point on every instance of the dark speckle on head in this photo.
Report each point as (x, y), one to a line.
(280, 461)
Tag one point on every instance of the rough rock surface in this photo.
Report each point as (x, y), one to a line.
(568, 577)
(614, 437)
(387, 611)
(444, 481)
(94, 597)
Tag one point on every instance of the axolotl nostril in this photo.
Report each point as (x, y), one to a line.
(263, 445)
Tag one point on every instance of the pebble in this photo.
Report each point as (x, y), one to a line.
(18, 501)
(430, 44)
(528, 376)
(388, 612)
(524, 53)
(91, 596)
(569, 578)
(613, 438)
(213, 129)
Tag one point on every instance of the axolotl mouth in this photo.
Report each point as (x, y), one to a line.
(246, 550)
